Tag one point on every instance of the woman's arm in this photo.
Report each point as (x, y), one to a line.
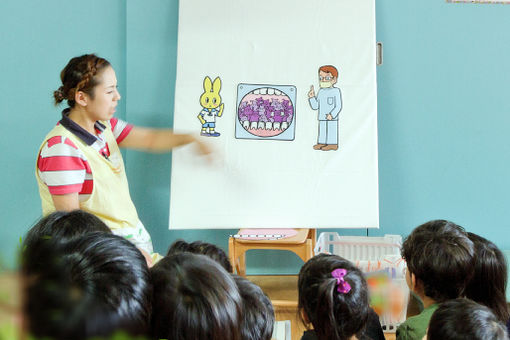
(160, 140)
(67, 202)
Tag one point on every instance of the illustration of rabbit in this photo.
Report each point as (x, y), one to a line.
(212, 107)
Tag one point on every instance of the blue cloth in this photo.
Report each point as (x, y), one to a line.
(328, 132)
(328, 102)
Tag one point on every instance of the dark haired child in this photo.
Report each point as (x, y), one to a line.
(439, 258)
(198, 247)
(258, 312)
(488, 284)
(333, 297)
(65, 226)
(194, 299)
(92, 286)
(462, 319)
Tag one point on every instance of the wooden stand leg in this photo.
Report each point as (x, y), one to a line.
(309, 249)
(305, 253)
(231, 253)
(242, 264)
(312, 234)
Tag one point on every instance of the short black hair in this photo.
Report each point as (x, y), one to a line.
(258, 311)
(441, 256)
(194, 298)
(65, 226)
(334, 315)
(204, 248)
(91, 286)
(490, 272)
(462, 319)
(179, 246)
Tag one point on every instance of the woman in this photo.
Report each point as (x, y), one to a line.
(79, 164)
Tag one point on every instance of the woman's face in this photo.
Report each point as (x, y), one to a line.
(106, 96)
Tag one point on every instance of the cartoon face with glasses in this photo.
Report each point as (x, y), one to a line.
(328, 102)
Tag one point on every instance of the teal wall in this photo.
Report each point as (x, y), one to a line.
(37, 38)
(443, 117)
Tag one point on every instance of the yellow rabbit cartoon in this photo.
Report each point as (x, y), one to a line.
(212, 107)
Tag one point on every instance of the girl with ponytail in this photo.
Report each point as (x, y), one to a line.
(333, 298)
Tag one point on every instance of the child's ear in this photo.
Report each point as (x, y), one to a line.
(414, 281)
(304, 316)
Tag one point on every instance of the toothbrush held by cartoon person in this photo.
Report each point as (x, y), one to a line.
(212, 107)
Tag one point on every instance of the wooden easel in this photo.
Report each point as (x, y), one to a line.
(301, 244)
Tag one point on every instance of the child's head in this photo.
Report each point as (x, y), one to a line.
(204, 248)
(462, 319)
(179, 246)
(194, 298)
(65, 226)
(258, 312)
(91, 286)
(439, 258)
(488, 284)
(333, 296)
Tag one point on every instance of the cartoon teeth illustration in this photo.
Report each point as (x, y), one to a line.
(265, 111)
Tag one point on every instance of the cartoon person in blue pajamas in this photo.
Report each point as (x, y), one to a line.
(328, 102)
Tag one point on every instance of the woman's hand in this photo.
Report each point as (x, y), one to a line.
(160, 140)
(147, 256)
(201, 147)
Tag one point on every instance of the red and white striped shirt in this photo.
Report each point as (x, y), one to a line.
(64, 168)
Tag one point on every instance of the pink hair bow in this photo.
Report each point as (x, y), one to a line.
(342, 286)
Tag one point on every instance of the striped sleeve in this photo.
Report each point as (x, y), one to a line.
(120, 129)
(64, 168)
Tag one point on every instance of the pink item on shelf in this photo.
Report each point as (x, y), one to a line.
(266, 234)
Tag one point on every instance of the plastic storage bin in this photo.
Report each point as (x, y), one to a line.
(379, 258)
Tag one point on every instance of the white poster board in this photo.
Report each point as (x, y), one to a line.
(266, 173)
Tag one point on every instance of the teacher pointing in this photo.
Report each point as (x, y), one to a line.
(80, 165)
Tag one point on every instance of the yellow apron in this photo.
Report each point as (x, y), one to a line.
(110, 199)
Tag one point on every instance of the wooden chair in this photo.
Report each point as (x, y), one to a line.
(301, 244)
